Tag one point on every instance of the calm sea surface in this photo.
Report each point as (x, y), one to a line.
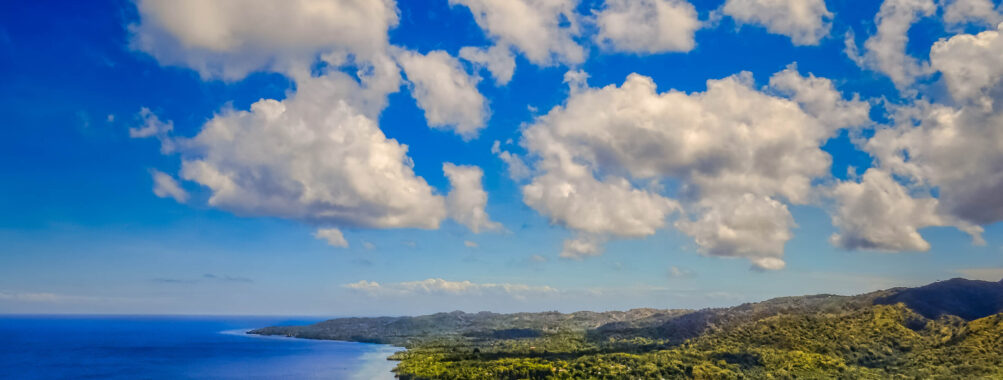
(153, 347)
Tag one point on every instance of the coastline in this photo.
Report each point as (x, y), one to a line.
(379, 359)
(248, 332)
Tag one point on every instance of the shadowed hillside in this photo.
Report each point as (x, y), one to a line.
(968, 299)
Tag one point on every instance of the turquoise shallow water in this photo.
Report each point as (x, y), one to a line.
(159, 347)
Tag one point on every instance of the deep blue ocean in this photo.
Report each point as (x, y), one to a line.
(158, 347)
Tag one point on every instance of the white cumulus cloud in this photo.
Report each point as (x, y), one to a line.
(878, 213)
(806, 22)
(497, 59)
(466, 199)
(749, 226)
(971, 65)
(312, 157)
(735, 155)
(972, 11)
(647, 26)
(955, 150)
(318, 156)
(819, 97)
(935, 164)
(885, 51)
(446, 93)
(231, 38)
(533, 27)
(583, 245)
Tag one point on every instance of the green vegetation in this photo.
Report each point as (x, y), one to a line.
(812, 337)
(878, 342)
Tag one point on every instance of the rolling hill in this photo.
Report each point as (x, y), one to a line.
(948, 329)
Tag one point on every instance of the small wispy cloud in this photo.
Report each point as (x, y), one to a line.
(470, 244)
(163, 280)
(152, 126)
(438, 286)
(700, 296)
(532, 262)
(677, 272)
(208, 277)
(362, 262)
(333, 236)
(226, 278)
(46, 297)
(165, 186)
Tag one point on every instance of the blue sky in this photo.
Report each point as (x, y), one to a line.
(137, 177)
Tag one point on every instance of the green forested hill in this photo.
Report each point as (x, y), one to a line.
(458, 325)
(880, 335)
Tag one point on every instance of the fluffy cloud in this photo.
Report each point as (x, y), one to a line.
(466, 199)
(438, 286)
(750, 226)
(885, 51)
(878, 213)
(732, 152)
(971, 66)
(533, 27)
(497, 59)
(971, 11)
(576, 199)
(955, 150)
(165, 186)
(806, 22)
(318, 156)
(950, 149)
(647, 26)
(333, 236)
(819, 98)
(230, 38)
(313, 157)
(445, 92)
(583, 245)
